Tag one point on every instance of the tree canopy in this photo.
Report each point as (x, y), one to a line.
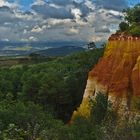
(131, 23)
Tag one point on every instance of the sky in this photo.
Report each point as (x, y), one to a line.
(60, 20)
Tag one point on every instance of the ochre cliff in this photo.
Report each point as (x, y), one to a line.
(117, 75)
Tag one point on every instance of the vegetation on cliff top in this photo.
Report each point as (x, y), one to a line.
(131, 23)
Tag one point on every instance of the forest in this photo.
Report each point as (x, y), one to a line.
(33, 95)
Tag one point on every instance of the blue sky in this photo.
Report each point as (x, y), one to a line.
(26, 3)
(133, 2)
(60, 20)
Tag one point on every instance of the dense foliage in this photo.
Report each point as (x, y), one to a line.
(99, 107)
(57, 84)
(33, 96)
(36, 103)
(131, 23)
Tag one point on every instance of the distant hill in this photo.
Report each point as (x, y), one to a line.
(26, 48)
(61, 51)
(43, 48)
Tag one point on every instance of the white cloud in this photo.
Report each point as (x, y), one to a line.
(25, 31)
(77, 13)
(2, 3)
(12, 5)
(57, 22)
(60, 20)
(95, 38)
(115, 13)
(89, 4)
(39, 2)
(32, 38)
(5, 39)
(37, 29)
(72, 31)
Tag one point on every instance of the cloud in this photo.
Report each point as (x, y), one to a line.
(58, 22)
(4, 3)
(37, 29)
(48, 11)
(77, 13)
(72, 31)
(5, 9)
(7, 15)
(5, 39)
(62, 2)
(66, 2)
(84, 7)
(32, 38)
(117, 5)
(103, 29)
(68, 20)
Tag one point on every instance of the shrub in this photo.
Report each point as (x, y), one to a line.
(124, 26)
(99, 107)
(135, 31)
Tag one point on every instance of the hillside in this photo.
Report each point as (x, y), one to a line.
(60, 51)
(8, 48)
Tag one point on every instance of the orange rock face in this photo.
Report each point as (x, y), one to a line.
(117, 73)
(119, 69)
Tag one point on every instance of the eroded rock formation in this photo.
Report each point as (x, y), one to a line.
(117, 75)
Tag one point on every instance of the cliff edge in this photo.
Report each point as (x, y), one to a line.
(117, 75)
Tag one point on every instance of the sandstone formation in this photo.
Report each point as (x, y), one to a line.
(117, 75)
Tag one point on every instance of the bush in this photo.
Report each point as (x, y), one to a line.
(132, 15)
(124, 26)
(99, 107)
(136, 103)
(124, 129)
(14, 133)
(135, 31)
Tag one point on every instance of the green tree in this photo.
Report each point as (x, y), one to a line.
(31, 86)
(131, 23)
(124, 26)
(135, 30)
(132, 15)
(91, 45)
(99, 107)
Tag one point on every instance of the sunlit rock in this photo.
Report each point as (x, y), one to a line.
(117, 75)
